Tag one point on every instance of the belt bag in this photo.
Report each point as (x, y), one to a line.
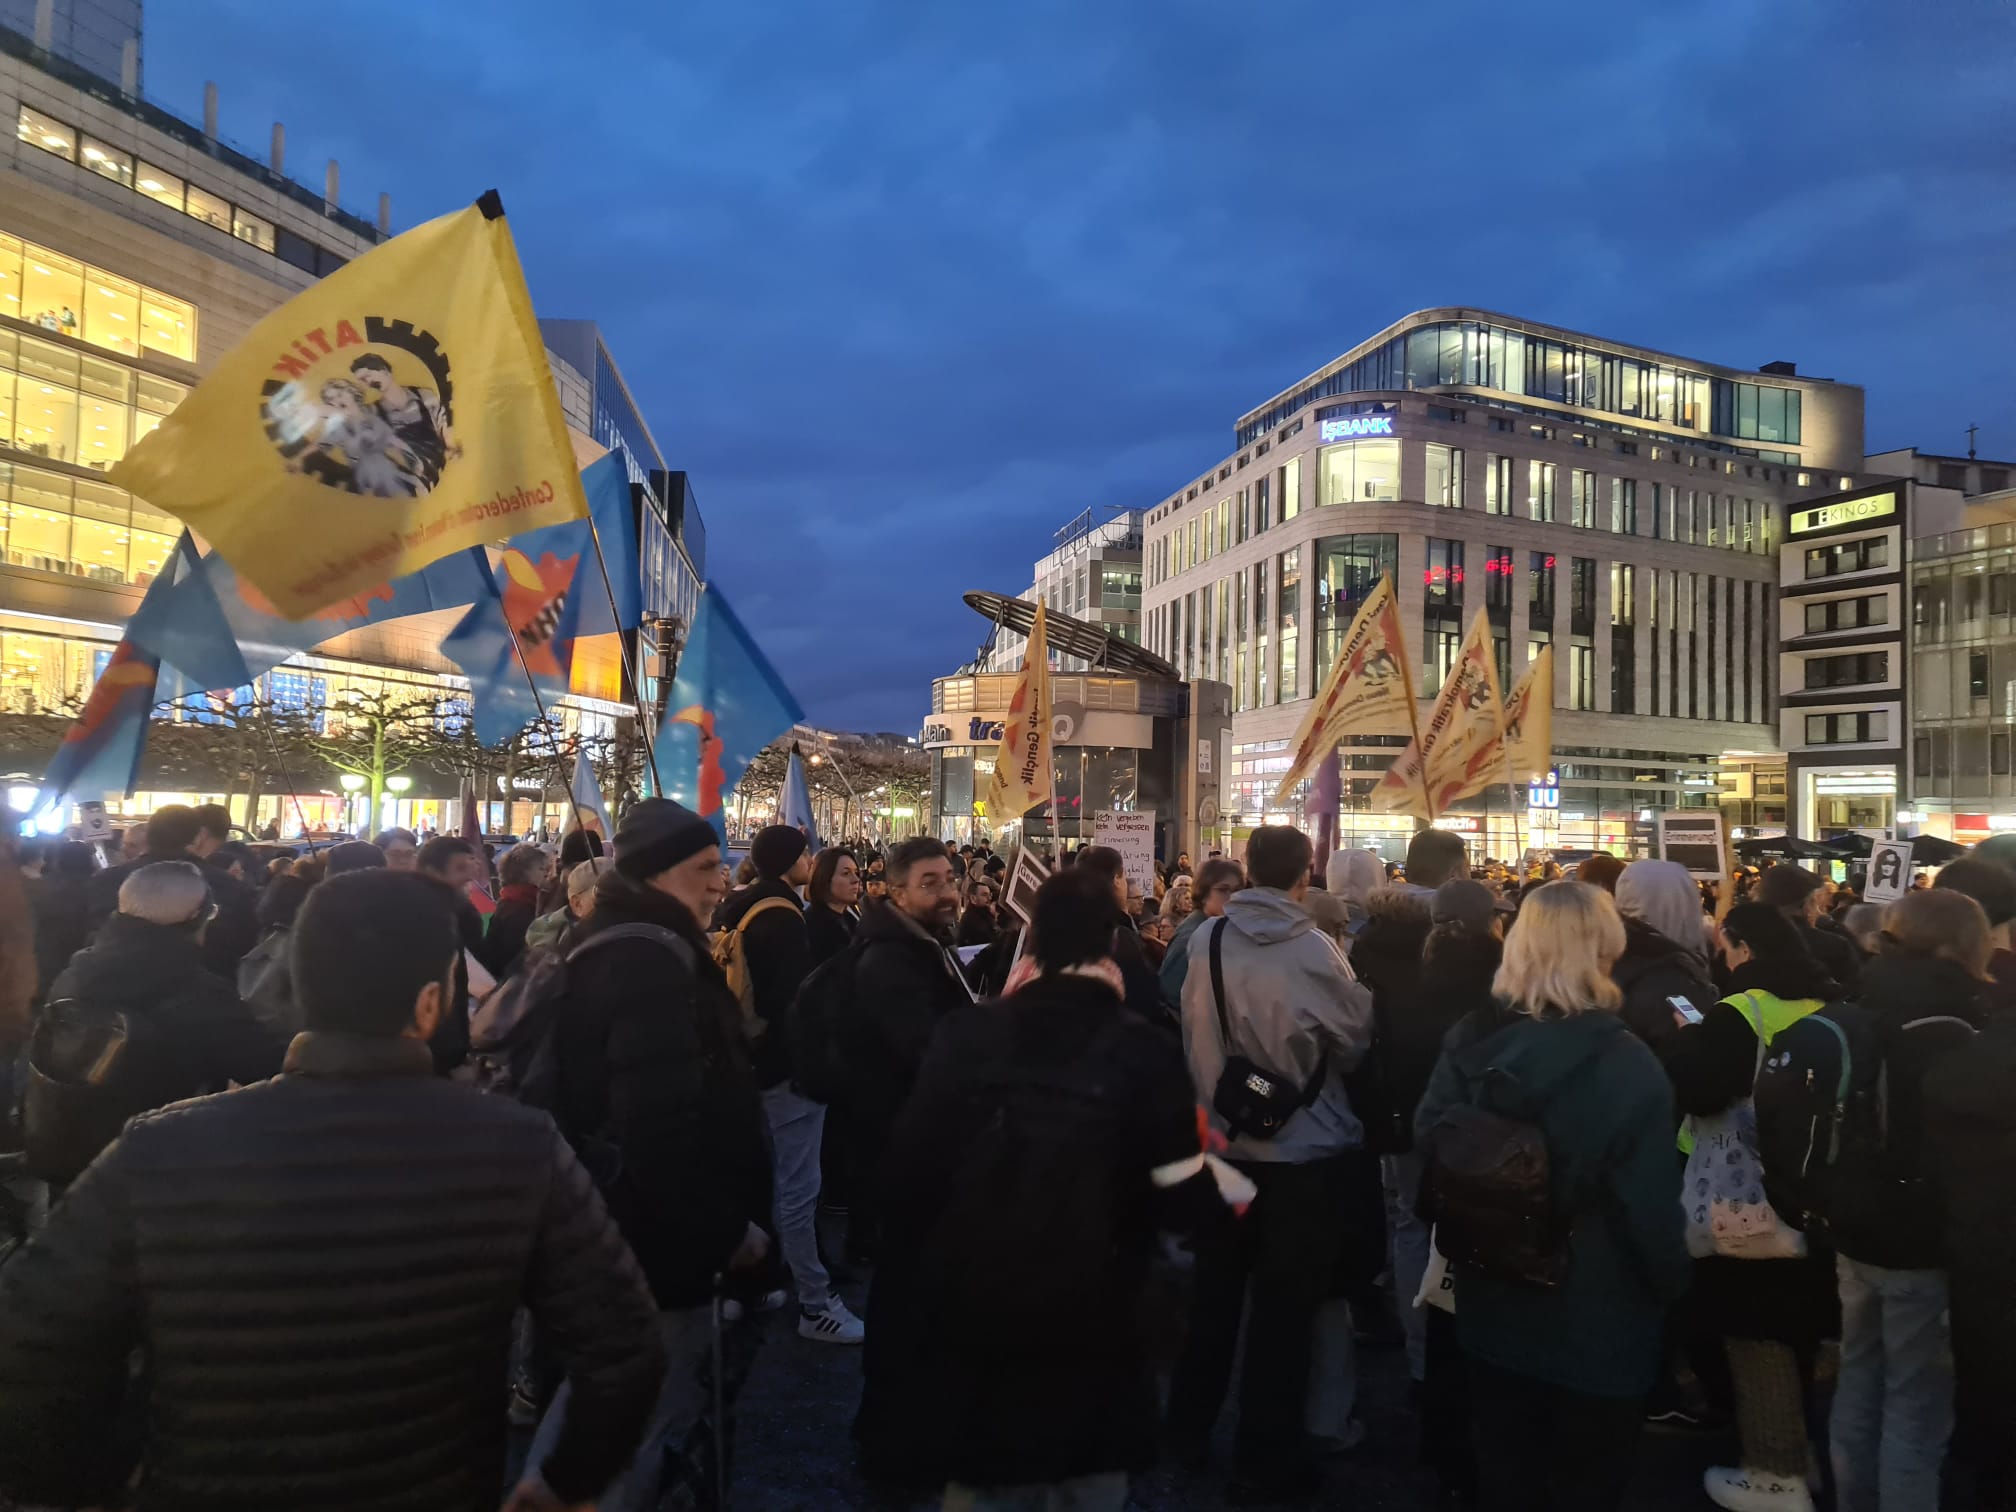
(1254, 1102)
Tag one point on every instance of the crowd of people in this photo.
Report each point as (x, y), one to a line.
(353, 1159)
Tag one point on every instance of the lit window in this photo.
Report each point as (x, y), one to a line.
(167, 326)
(108, 162)
(249, 228)
(206, 206)
(38, 130)
(159, 184)
(111, 313)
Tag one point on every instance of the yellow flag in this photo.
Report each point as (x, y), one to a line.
(1023, 771)
(1443, 763)
(400, 410)
(1370, 690)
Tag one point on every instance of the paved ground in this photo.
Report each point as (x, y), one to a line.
(794, 1453)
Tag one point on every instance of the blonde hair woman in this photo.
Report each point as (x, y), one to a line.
(1176, 902)
(1559, 1375)
(1557, 962)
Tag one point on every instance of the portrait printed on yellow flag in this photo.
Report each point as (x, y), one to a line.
(399, 410)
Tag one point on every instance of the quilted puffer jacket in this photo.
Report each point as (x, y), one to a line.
(319, 1273)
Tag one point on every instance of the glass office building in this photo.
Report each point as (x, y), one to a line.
(1621, 505)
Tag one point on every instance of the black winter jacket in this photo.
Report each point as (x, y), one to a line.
(1905, 1231)
(1406, 1026)
(196, 1036)
(654, 1072)
(1651, 973)
(63, 925)
(504, 936)
(778, 947)
(1713, 1065)
(324, 1319)
(1836, 952)
(1970, 1142)
(904, 982)
(940, 1400)
(450, 1044)
(234, 931)
(828, 932)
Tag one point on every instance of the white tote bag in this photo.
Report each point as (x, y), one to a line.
(1438, 1282)
(1723, 1191)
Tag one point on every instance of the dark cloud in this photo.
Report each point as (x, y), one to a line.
(906, 287)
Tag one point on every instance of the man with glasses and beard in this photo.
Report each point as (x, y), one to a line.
(904, 981)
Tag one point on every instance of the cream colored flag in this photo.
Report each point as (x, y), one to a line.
(1441, 765)
(1370, 690)
(1023, 769)
(1525, 752)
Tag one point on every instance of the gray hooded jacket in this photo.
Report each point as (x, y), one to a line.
(1292, 1004)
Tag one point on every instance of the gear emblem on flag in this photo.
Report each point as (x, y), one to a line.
(364, 407)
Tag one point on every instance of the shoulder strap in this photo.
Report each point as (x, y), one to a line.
(743, 923)
(1311, 1089)
(657, 933)
(1218, 981)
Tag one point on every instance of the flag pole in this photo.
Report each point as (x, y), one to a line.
(1413, 710)
(280, 765)
(629, 675)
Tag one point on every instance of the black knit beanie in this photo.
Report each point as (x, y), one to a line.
(656, 835)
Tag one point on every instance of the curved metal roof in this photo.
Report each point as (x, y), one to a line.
(1073, 637)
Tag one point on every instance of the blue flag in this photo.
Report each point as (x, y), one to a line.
(794, 806)
(548, 588)
(519, 634)
(587, 796)
(101, 751)
(607, 486)
(219, 631)
(727, 704)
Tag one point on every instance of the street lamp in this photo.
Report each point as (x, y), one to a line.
(398, 784)
(353, 784)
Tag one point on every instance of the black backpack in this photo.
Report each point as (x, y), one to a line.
(84, 1082)
(1487, 1183)
(1030, 1232)
(512, 1050)
(1823, 1132)
(821, 1011)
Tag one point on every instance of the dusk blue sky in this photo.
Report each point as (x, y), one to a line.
(906, 286)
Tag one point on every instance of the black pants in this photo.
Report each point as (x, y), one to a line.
(1543, 1448)
(1285, 1248)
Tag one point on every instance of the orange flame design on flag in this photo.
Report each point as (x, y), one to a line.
(711, 781)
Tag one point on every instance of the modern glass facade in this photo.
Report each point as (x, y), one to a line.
(1963, 670)
(58, 138)
(1482, 355)
(71, 298)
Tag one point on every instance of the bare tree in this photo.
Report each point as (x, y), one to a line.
(378, 734)
(249, 739)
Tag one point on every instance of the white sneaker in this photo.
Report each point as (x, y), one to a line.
(1757, 1491)
(835, 1325)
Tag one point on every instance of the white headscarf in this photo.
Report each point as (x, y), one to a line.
(1660, 895)
(1350, 876)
